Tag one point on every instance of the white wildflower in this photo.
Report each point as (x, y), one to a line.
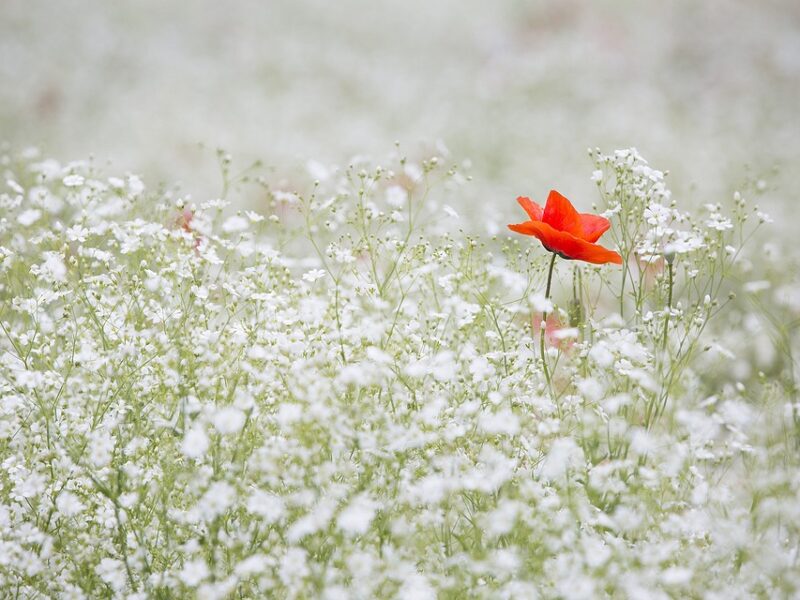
(53, 267)
(228, 420)
(135, 185)
(357, 516)
(501, 422)
(235, 224)
(313, 275)
(450, 211)
(217, 499)
(73, 180)
(563, 457)
(69, 504)
(269, 507)
(112, 572)
(195, 442)
(29, 217)
(194, 572)
(396, 196)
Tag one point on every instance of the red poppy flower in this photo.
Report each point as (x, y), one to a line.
(565, 231)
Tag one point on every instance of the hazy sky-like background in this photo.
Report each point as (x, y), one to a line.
(708, 90)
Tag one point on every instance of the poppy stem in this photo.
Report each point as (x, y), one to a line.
(543, 326)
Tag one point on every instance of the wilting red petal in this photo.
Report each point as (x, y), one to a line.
(553, 327)
(529, 206)
(185, 220)
(593, 226)
(561, 215)
(567, 244)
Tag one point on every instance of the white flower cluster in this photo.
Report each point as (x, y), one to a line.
(320, 399)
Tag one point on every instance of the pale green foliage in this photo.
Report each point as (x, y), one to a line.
(325, 399)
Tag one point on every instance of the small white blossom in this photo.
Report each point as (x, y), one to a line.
(69, 504)
(228, 420)
(29, 217)
(396, 196)
(194, 572)
(73, 180)
(357, 516)
(235, 224)
(269, 507)
(450, 211)
(195, 442)
(313, 275)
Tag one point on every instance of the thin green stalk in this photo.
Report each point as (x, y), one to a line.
(669, 306)
(543, 326)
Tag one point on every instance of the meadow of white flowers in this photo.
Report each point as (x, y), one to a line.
(340, 394)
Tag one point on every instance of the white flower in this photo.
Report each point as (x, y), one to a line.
(228, 420)
(128, 500)
(73, 180)
(317, 170)
(293, 566)
(450, 211)
(602, 355)
(396, 196)
(288, 413)
(413, 172)
(235, 224)
(355, 519)
(254, 216)
(416, 587)
(135, 185)
(252, 565)
(217, 499)
(501, 422)
(753, 287)
(287, 197)
(539, 303)
(29, 217)
(313, 275)
(195, 442)
(101, 447)
(15, 186)
(269, 507)
(194, 572)
(54, 268)
(112, 571)
(31, 486)
(718, 222)
(564, 456)
(69, 504)
(481, 369)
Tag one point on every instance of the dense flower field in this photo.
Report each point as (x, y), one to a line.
(342, 394)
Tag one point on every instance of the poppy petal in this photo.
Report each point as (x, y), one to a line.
(566, 244)
(534, 210)
(540, 230)
(578, 249)
(561, 215)
(593, 226)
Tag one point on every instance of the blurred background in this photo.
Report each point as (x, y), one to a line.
(707, 90)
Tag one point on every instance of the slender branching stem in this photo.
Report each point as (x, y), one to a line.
(543, 326)
(669, 306)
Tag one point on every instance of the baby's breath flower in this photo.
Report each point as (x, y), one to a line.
(342, 402)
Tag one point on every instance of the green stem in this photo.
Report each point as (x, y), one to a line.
(669, 307)
(543, 325)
